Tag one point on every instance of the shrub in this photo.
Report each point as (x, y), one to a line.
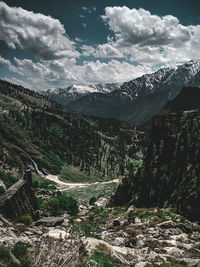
(26, 219)
(4, 253)
(68, 204)
(21, 253)
(60, 203)
(183, 219)
(2, 190)
(7, 178)
(92, 200)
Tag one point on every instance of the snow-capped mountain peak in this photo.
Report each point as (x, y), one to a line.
(74, 92)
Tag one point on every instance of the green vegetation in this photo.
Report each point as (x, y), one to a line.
(39, 182)
(92, 200)
(53, 163)
(169, 263)
(26, 219)
(169, 176)
(20, 251)
(155, 215)
(102, 259)
(84, 194)
(91, 226)
(58, 204)
(7, 178)
(56, 138)
(74, 175)
(2, 190)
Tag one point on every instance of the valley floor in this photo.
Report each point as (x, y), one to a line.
(63, 186)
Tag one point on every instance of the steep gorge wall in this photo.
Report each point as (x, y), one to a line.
(170, 175)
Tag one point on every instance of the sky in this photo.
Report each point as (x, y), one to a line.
(49, 44)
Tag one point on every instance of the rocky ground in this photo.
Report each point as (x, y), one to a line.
(100, 236)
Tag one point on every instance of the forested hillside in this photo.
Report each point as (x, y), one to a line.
(171, 170)
(34, 128)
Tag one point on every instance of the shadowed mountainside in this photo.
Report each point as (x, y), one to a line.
(171, 169)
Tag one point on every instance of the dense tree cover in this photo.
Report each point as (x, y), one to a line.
(170, 175)
(33, 127)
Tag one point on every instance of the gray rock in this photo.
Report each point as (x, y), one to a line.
(119, 241)
(65, 223)
(130, 209)
(50, 221)
(141, 264)
(167, 224)
(138, 220)
(173, 251)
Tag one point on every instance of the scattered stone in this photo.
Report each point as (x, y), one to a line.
(65, 223)
(5, 221)
(101, 202)
(138, 220)
(173, 251)
(141, 264)
(130, 209)
(119, 241)
(58, 234)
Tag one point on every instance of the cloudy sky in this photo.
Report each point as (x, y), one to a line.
(48, 43)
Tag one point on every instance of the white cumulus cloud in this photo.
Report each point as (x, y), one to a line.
(35, 32)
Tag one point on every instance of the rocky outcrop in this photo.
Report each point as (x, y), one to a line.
(19, 199)
(170, 175)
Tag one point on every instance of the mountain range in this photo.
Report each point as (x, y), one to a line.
(72, 93)
(138, 100)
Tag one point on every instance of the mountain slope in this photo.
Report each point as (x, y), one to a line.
(188, 99)
(66, 95)
(34, 128)
(170, 175)
(141, 98)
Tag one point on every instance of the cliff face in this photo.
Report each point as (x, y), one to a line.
(170, 175)
(19, 199)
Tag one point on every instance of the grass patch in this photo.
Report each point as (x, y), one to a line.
(75, 175)
(84, 194)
